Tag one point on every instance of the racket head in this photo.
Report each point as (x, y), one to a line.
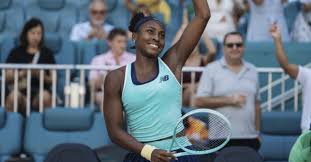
(207, 130)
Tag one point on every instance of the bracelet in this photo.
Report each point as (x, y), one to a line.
(146, 152)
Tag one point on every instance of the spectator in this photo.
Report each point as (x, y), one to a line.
(263, 13)
(30, 51)
(300, 73)
(150, 7)
(230, 86)
(302, 27)
(196, 59)
(117, 55)
(96, 28)
(222, 20)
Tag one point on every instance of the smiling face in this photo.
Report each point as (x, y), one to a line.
(150, 39)
(234, 47)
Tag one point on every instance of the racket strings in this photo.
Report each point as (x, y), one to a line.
(205, 133)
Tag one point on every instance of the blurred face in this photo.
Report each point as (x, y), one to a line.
(234, 47)
(97, 13)
(34, 36)
(150, 39)
(118, 44)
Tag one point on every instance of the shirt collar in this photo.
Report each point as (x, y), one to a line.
(224, 63)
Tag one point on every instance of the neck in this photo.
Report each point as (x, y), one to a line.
(234, 62)
(116, 56)
(145, 65)
(32, 49)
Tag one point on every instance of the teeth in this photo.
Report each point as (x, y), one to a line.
(153, 45)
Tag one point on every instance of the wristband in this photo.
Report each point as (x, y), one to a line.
(146, 152)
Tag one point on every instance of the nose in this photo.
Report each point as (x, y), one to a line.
(156, 37)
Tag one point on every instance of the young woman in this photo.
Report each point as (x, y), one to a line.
(30, 51)
(148, 91)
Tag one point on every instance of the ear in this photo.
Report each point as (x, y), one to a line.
(134, 36)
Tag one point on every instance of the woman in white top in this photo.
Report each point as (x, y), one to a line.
(263, 13)
(221, 21)
(302, 27)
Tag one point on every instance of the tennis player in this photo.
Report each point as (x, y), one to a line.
(300, 73)
(148, 91)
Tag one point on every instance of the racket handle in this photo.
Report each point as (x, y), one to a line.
(181, 154)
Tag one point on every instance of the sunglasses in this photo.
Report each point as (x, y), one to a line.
(231, 45)
(98, 12)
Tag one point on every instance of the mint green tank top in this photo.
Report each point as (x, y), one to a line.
(152, 109)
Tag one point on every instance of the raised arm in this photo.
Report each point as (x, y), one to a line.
(210, 55)
(177, 55)
(291, 69)
(113, 113)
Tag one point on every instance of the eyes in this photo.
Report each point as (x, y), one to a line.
(152, 32)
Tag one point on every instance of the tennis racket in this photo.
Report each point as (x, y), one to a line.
(204, 131)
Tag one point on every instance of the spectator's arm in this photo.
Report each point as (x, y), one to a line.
(74, 35)
(258, 2)
(257, 115)
(210, 56)
(291, 69)
(214, 102)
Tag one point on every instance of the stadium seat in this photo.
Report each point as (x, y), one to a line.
(71, 152)
(6, 48)
(58, 16)
(86, 51)
(11, 130)
(237, 154)
(11, 19)
(63, 125)
(279, 132)
(119, 15)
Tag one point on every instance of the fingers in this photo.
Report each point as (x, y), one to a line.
(163, 156)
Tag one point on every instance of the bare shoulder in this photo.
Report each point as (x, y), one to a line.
(115, 78)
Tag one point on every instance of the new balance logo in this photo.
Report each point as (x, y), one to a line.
(164, 78)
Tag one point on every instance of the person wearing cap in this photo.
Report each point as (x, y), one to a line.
(148, 91)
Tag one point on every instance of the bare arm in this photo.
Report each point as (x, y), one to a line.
(210, 56)
(257, 115)
(114, 115)
(214, 102)
(114, 118)
(291, 69)
(258, 2)
(177, 55)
